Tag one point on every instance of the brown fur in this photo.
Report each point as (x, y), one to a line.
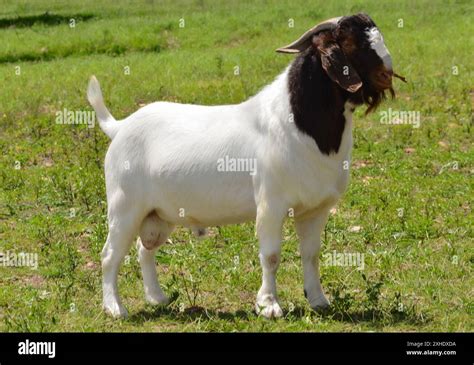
(318, 88)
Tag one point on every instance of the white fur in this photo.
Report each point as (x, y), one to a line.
(378, 45)
(164, 158)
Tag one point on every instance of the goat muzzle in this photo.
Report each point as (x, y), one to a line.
(383, 79)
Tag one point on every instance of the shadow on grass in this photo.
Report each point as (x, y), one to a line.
(364, 315)
(374, 317)
(113, 50)
(45, 18)
(188, 315)
(339, 311)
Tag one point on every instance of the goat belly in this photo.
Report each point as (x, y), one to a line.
(204, 199)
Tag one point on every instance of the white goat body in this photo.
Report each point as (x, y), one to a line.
(164, 159)
(290, 145)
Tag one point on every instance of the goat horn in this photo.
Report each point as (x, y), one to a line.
(305, 40)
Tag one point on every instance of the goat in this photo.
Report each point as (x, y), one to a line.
(161, 166)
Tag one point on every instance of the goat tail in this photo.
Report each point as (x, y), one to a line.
(107, 122)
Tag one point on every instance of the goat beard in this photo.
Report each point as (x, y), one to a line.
(373, 98)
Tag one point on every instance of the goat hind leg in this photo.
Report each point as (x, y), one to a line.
(119, 241)
(153, 292)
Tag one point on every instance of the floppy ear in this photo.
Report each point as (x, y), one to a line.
(336, 65)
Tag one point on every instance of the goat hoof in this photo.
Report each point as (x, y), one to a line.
(158, 300)
(116, 311)
(320, 304)
(268, 307)
(270, 311)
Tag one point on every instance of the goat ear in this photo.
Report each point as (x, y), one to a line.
(337, 66)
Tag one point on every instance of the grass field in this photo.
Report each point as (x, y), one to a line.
(408, 207)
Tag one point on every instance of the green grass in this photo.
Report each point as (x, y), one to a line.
(418, 273)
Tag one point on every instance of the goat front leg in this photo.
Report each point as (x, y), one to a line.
(309, 232)
(269, 226)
